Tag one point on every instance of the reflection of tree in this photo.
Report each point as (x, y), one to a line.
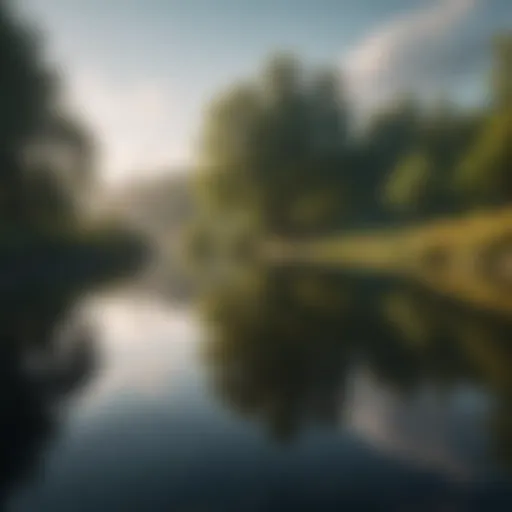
(462, 346)
(473, 347)
(425, 327)
(279, 351)
(36, 375)
(284, 342)
(501, 431)
(282, 347)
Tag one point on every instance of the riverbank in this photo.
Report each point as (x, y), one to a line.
(33, 262)
(468, 258)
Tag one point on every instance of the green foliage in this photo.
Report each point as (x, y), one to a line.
(46, 173)
(45, 156)
(279, 145)
(483, 176)
(502, 75)
(268, 143)
(407, 184)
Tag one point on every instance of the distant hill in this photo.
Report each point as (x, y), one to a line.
(160, 207)
(157, 205)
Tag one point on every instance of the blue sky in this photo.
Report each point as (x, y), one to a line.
(141, 71)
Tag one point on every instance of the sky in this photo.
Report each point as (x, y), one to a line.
(141, 72)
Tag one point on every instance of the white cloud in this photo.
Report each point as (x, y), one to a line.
(398, 55)
(133, 123)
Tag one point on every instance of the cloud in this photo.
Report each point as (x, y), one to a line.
(133, 122)
(410, 52)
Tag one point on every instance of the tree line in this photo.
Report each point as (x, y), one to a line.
(47, 172)
(283, 150)
(46, 153)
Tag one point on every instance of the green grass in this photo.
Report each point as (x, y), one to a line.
(450, 256)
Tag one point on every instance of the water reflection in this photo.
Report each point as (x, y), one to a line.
(43, 361)
(371, 393)
(414, 374)
(279, 352)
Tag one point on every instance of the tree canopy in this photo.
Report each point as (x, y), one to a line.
(268, 142)
(46, 155)
(283, 144)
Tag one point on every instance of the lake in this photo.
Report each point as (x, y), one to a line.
(304, 391)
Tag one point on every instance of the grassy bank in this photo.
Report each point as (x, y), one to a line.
(469, 257)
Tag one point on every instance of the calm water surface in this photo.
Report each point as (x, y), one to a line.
(174, 416)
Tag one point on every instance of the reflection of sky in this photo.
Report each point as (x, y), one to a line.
(149, 432)
(441, 432)
(146, 348)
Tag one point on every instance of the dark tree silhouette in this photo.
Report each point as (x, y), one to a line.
(45, 155)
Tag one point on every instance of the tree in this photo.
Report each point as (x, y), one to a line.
(419, 185)
(483, 174)
(269, 142)
(35, 131)
(390, 135)
(502, 71)
(58, 174)
(407, 184)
